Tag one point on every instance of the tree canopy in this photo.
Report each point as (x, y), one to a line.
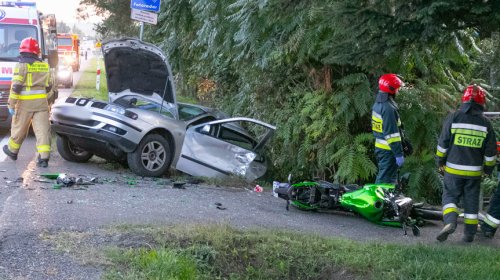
(311, 68)
(63, 27)
(116, 14)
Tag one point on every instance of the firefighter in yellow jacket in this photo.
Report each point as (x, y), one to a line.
(28, 102)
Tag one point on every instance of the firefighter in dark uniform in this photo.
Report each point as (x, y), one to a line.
(466, 150)
(489, 223)
(28, 102)
(386, 129)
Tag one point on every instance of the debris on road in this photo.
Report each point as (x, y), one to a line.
(219, 206)
(194, 181)
(163, 182)
(63, 180)
(179, 185)
(131, 182)
(50, 175)
(15, 183)
(258, 188)
(107, 180)
(42, 181)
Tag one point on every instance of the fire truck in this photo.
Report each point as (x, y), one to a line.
(19, 20)
(69, 49)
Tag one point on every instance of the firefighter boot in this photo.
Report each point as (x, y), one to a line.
(468, 238)
(42, 162)
(447, 230)
(12, 155)
(487, 230)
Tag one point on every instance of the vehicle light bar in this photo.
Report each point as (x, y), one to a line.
(18, 4)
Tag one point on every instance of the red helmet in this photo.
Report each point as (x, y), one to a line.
(29, 45)
(389, 83)
(474, 93)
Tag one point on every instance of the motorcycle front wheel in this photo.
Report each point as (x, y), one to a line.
(428, 213)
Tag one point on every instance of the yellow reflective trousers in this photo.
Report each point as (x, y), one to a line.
(20, 125)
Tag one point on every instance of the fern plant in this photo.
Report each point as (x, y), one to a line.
(311, 68)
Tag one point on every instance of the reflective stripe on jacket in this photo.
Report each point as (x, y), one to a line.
(467, 144)
(386, 124)
(34, 79)
(29, 86)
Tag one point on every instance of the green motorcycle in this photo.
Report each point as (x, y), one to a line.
(379, 203)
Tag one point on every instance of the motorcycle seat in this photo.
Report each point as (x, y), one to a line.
(351, 187)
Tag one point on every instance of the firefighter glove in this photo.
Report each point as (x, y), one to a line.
(12, 111)
(441, 169)
(400, 161)
(17, 88)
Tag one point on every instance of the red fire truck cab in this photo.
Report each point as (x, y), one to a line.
(68, 46)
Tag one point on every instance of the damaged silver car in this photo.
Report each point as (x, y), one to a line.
(144, 127)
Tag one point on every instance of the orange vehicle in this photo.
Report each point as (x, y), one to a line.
(68, 46)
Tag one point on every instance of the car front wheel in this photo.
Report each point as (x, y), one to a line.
(70, 152)
(152, 157)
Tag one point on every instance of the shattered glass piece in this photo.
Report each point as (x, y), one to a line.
(245, 158)
(240, 170)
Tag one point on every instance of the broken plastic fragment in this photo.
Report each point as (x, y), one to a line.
(50, 175)
(179, 185)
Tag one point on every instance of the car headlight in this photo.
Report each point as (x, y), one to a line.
(69, 59)
(115, 109)
(121, 111)
(63, 73)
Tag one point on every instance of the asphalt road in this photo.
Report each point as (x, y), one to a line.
(29, 208)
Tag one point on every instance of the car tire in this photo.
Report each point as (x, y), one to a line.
(70, 152)
(152, 158)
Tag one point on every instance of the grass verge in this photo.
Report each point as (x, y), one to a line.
(86, 86)
(222, 252)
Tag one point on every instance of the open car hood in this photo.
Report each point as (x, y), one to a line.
(138, 67)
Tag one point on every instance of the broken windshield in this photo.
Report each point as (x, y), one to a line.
(11, 36)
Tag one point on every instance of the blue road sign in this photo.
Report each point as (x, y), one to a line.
(146, 5)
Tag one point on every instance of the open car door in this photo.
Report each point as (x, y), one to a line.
(226, 147)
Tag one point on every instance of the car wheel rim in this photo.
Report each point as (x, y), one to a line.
(153, 156)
